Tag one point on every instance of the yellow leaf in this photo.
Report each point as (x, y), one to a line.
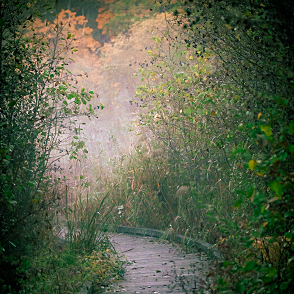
(228, 26)
(259, 174)
(191, 57)
(266, 129)
(252, 164)
(259, 115)
(35, 200)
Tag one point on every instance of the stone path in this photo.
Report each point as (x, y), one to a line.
(154, 267)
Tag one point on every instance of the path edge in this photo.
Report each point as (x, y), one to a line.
(207, 248)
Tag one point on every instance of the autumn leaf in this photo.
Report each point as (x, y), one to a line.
(259, 174)
(252, 164)
(266, 129)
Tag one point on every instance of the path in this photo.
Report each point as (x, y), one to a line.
(155, 267)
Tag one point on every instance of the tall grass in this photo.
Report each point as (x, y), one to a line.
(76, 249)
(86, 221)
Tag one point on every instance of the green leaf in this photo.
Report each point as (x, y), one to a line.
(238, 203)
(289, 235)
(12, 103)
(284, 286)
(240, 288)
(68, 36)
(266, 129)
(277, 187)
(272, 271)
(31, 184)
(38, 14)
(70, 96)
(188, 111)
(249, 266)
(249, 243)
(77, 101)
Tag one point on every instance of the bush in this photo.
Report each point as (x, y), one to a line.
(36, 106)
(218, 96)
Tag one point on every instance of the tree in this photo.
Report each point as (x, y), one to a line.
(227, 116)
(37, 107)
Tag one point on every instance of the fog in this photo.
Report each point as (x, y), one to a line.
(109, 66)
(112, 71)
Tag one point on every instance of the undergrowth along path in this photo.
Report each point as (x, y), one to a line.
(154, 267)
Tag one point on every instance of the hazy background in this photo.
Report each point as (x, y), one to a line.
(111, 37)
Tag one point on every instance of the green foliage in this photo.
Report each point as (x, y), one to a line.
(62, 270)
(37, 104)
(218, 96)
(86, 222)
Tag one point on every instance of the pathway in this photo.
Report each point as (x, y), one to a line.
(154, 267)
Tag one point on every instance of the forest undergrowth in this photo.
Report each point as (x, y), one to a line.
(213, 159)
(214, 155)
(51, 241)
